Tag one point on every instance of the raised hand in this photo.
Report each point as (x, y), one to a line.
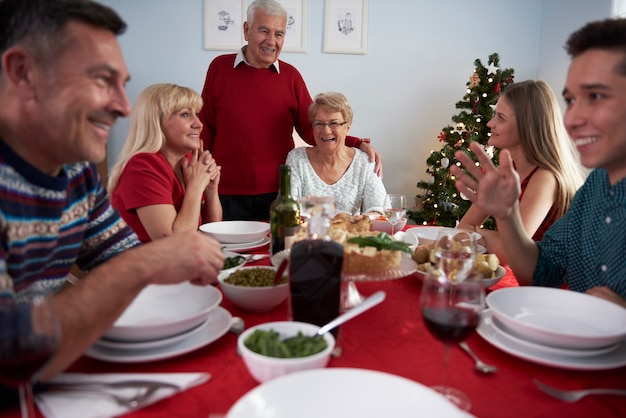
(495, 190)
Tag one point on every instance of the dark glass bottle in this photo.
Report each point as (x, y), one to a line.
(315, 269)
(284, 214)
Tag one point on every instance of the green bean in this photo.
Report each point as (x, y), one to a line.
(269, 344)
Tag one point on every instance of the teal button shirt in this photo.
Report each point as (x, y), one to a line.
(587, 246)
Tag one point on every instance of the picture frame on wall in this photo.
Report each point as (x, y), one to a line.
(223, 24)
(345, 26)
(295, 39)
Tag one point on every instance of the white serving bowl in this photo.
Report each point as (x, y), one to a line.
(385, 226)
(558, 317)
(161, 311)
(236, 232)
(254, 299)
(490, 281)
(264, 368)
(428, 234)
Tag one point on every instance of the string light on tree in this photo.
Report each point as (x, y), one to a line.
(439, 202)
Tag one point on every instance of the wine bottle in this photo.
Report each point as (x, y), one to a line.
(315, 269)
(284, 214)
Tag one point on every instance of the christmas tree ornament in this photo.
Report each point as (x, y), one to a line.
(445, 162)
(492, 69)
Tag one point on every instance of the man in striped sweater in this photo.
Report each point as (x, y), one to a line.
(62, 87)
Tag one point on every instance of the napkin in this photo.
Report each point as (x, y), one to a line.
(80, 404)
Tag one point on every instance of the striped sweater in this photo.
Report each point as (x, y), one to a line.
(49, 223)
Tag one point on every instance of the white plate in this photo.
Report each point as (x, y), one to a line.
(236, 232)
(145, 345)
(610, 360)
(546, 348)
(217, 325)
(247, 246)
(161, 311)
(342, 392)
(557, 317)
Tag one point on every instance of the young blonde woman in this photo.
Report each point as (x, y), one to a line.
(529, 125)
(163, 182)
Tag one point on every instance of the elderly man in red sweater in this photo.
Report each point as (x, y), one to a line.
(252, 102)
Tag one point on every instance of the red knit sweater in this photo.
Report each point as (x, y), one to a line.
(248, 116)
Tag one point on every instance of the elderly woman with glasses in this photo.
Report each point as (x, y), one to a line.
(331, 168)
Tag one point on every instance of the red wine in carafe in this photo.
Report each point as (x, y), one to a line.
(315, 280)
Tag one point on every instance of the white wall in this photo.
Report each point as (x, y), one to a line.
(419, 57)
(553, 60)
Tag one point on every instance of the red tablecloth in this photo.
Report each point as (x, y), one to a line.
(390, 338)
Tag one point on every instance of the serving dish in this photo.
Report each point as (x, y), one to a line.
(264, 368)
(254, 299)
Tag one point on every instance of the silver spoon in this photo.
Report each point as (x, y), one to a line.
(479, 365)
(368, 303)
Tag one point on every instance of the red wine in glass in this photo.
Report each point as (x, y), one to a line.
(29, 337)
(451, 311)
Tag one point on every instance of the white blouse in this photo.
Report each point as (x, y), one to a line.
(359, 187)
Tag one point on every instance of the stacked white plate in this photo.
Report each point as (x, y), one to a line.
(164, 321)
(238, 235)
(556, 327)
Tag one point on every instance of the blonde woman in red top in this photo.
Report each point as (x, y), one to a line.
(163, 182)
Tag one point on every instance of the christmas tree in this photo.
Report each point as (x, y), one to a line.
(440, 203)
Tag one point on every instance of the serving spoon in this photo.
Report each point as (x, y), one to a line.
(367, 304)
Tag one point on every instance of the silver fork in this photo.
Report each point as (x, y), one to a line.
(576, 395)
(147, 389)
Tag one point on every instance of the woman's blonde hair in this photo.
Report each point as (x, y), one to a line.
(544, 140)
(331, 102)
(154, 105)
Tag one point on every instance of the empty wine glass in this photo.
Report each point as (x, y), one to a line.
(455, 253)
(29, 337)
(451, 311)
(395, 209)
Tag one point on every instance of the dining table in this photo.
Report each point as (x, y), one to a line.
(390, 338)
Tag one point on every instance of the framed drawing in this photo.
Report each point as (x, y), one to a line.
(345, 26)
(223, 24)
(295, 39)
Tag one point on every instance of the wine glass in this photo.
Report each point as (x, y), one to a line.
(451, 311)
(30, 333)
(455, 253)
(395, 209)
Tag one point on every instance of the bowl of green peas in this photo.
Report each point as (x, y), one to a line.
(252, 289)
(275, 349)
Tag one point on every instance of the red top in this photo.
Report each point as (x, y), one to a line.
(550, 218)
(248, 116)
(147, 179)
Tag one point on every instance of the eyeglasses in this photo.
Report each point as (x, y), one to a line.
(332, 125)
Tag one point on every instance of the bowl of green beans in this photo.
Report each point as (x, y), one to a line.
(251, 288)
(231, 263)
(275, 349)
